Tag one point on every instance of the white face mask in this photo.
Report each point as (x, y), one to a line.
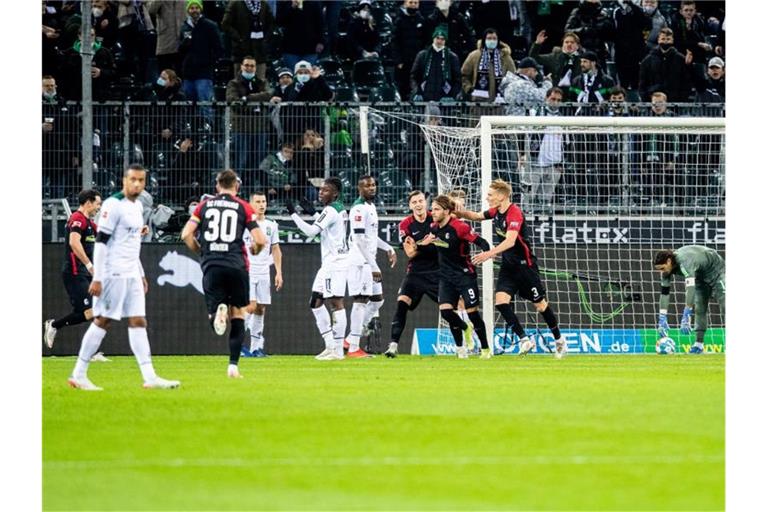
(97, 13)
(437, 48)
(365, 15)
(443, 5)
(303, 78)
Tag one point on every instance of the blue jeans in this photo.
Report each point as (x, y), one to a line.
(290, 59)
(248, 150)
(198, 90)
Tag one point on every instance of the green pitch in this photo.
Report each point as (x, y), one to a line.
(584, 433)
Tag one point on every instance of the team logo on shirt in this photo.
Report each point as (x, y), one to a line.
(358, 218)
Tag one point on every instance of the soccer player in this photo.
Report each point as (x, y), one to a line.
(260, 286)
(519, 273)
(422, 274)
(459, 198)
(331, 280)
(364, 275)
(704, 273)
(458, 277)
(78, 267)
(222, 219)
(119, 285)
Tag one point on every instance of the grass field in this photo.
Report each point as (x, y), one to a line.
(584, 433)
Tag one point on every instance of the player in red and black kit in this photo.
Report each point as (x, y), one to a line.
(78, 267)
(222, 219)
(519, 273)
(458, 277)
(422, 276)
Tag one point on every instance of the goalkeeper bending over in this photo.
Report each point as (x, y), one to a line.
(704, 273)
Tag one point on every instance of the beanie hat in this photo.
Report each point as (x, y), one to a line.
(440, 31)
(198, 3)
(589, 55)
(528, 62)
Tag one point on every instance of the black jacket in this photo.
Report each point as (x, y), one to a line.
(314, 90)
(631, 26)
(597, 91)
(70, 73)
(710, 91)
(460, 37)
(409, 37)
(363, 37)
(593, 27)
(665, 72)
(200, 47)
(689, 38)
(432, 87)
(302, 28)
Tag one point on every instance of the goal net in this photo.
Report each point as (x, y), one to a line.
(601, 196)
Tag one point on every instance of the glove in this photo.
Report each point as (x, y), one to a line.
(685, 321)
(307, 206)
(663, 325)
(290, 207)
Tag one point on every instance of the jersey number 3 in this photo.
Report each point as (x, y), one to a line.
(222, 225)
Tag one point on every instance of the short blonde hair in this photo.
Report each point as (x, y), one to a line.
(502, 187)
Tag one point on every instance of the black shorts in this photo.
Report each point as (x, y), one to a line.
(225, 285)
(77, 289)
(521, 280)
(416, 284)
(465, 287)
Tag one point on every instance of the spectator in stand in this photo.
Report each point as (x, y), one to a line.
(137, 37)
(436, 73)
(284, 82)
(170, 16)
(629, 47)
(309, 86)
(250, 120)
(104, 21)
(332, 13)
(690, 32)
(563, 64)
(199, 49)
(484, 69)
(364, 34)
(592, 85)
(593, 26)
(60, 138)
(665, 69)
(249, 24)
(614, 145)
(190, 170)
(617, 103)
(167, 87)
(658, 21)
(457, 31)
(712, 88)
(512, 21)
(160, 123)
(660, 178)
(409, 37)
(309, 163)
(525, 89)
(102, 71)
(51, 39)
(280, 176)
(302, 22)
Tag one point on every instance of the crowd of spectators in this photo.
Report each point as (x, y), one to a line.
(255, 54)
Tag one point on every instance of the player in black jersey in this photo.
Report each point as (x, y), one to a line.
(458, 277)
(222, 220)
(422, 275)
(77, 270)
(519, 273)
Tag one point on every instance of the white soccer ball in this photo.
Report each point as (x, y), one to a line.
(665, 345)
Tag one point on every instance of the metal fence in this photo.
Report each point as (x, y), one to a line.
(184, 145)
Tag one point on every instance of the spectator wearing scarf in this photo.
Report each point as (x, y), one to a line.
(485, 67)
(249, 24)
(592, 85)
(436, 73)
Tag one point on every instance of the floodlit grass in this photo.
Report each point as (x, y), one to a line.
(584, 433)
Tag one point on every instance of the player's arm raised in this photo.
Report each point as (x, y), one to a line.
(462, 213)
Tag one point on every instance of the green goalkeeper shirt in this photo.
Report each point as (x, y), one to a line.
(697, 264)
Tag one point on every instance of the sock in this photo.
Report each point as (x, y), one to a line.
(339, 330)
(453, 319)
(356, 322)
(458, 335)
(506, 311)
(323, 321)
(479, 325)
(372, 310)
(398, 322)
(75, 318)
(88, 347)
(236, 336)
(463, 315)
(699, 344)
(137, 337)
(551, 319)
(256, 325)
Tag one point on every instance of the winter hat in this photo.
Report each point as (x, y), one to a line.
(528, 62)
(716, 62)
(302, 64)
(363, 3)
(589, 55)
(440, 31)
(198, 3)
(284, 71)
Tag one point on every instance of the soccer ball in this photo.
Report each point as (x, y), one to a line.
(665, 345)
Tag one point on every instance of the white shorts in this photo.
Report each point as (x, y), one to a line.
(260, 289)
(330, 282)
(360, 280)
(120, 298)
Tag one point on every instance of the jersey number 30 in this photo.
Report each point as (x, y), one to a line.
(222, 225)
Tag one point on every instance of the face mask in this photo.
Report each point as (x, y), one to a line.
(161, 82)
(491, 44)
(437, 48)
(443, 5)
(365, 15)
(302, 78)
(97, 13)
(50, 95)
(411, 10)
(649, 9)
(247, 76)
(665, 46)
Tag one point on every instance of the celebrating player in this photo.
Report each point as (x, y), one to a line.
(222, 219)
(519, 272)
(364, 275)
(331, 280)
(422, 274)
(78, 267)
(119, 285)
(260, 286)
(704, 273)
(457, 273)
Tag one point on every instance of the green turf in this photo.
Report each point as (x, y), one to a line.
(584, 433)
